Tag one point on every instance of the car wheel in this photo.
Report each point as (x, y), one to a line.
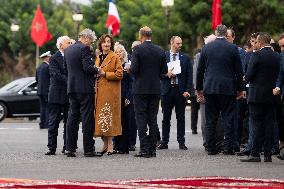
(3, 111)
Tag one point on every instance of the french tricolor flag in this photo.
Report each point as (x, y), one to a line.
(113, 21)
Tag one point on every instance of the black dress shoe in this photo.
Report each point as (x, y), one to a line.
(228, 152)
(70, 154)
(144, 155)
(109, 153)
(212, 152)
(194, 132)
(132, 148)
(122, 152)
(92, 154)
(183, 147)
(162, 146)
(243, 153)
(280, 157)
(267, 159)
(50, 153)
(251, 159)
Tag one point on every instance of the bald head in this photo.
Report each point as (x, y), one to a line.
(176, 44)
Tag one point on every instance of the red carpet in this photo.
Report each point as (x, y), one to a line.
(194, 182)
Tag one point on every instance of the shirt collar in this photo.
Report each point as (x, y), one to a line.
(265, 47)
(62, 52)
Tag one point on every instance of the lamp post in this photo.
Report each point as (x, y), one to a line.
(167, 4)
(14, 28)
(77, 17)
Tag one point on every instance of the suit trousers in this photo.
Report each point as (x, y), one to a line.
(81, 106)
(122, 141)
(219, 105)
(263, 118)
(43, 101)
(173, 99)
(146, 108)
(132, 125)
(194, 113)
(54, 115)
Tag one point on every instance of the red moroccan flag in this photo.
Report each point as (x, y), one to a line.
(39, 33)
(216, 13)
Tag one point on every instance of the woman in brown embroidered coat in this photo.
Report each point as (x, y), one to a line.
(108, 95)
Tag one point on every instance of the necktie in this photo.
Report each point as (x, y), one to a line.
(174, 82)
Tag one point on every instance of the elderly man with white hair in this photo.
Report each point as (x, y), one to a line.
(80, 88)
(57, 97)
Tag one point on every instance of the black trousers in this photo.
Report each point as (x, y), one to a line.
(215, 105)
(194, 113)
(43, 101)
(263, 118)
(146, 109)
(132, 125)
(173, 99)
(81, 106)
(55, 111)
(122, 141)
(280, 121)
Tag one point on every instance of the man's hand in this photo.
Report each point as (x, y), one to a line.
(200, 96)
(102, 73)
(170, 73)
(239, 94)
(186, 95)
(276, 91)
(126, 102)
(244, 94)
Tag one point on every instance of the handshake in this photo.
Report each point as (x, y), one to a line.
(101, 72)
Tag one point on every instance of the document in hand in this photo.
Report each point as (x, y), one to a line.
(127, 65)
(174, 66)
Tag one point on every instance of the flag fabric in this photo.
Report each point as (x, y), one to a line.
(39, 32)
(216, 13)
(113, 21)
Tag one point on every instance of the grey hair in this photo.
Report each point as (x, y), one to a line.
(135, 43)
(88, 33)
(119, 46)
(60, 40)
(221, 31)
(209, 38)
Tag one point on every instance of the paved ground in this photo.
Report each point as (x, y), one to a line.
(22, 148)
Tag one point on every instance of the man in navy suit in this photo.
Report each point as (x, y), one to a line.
(262, 74)
(148, 63)
(175, 90)
(219, 79)
(42, 78)
(80, 88)
(57, 97)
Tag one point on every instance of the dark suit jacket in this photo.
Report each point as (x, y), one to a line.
(262, 74)
(80, 69)
(148, 63)
(58, 80)
(280, 79)
(126, 83)
(184, 78)
(42, 78)
(219, 69)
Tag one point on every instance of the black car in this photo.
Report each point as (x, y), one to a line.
(19, 99)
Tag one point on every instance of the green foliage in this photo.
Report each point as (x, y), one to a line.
(189, 19)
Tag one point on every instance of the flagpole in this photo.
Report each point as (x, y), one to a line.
(37, 56)
(109, 31)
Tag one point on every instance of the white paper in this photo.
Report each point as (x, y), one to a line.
(127, 65)
(175, 65)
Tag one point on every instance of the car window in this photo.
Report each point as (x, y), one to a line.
(14, 86)
(33, 86)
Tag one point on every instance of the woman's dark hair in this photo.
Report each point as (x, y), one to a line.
(102, 39)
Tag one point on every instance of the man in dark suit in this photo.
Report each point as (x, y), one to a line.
(42, 78)
(148, 64)
(57, 97)
(262, 74)
(175, 91)
(219, 79)
(80, 88)
(280, 89)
